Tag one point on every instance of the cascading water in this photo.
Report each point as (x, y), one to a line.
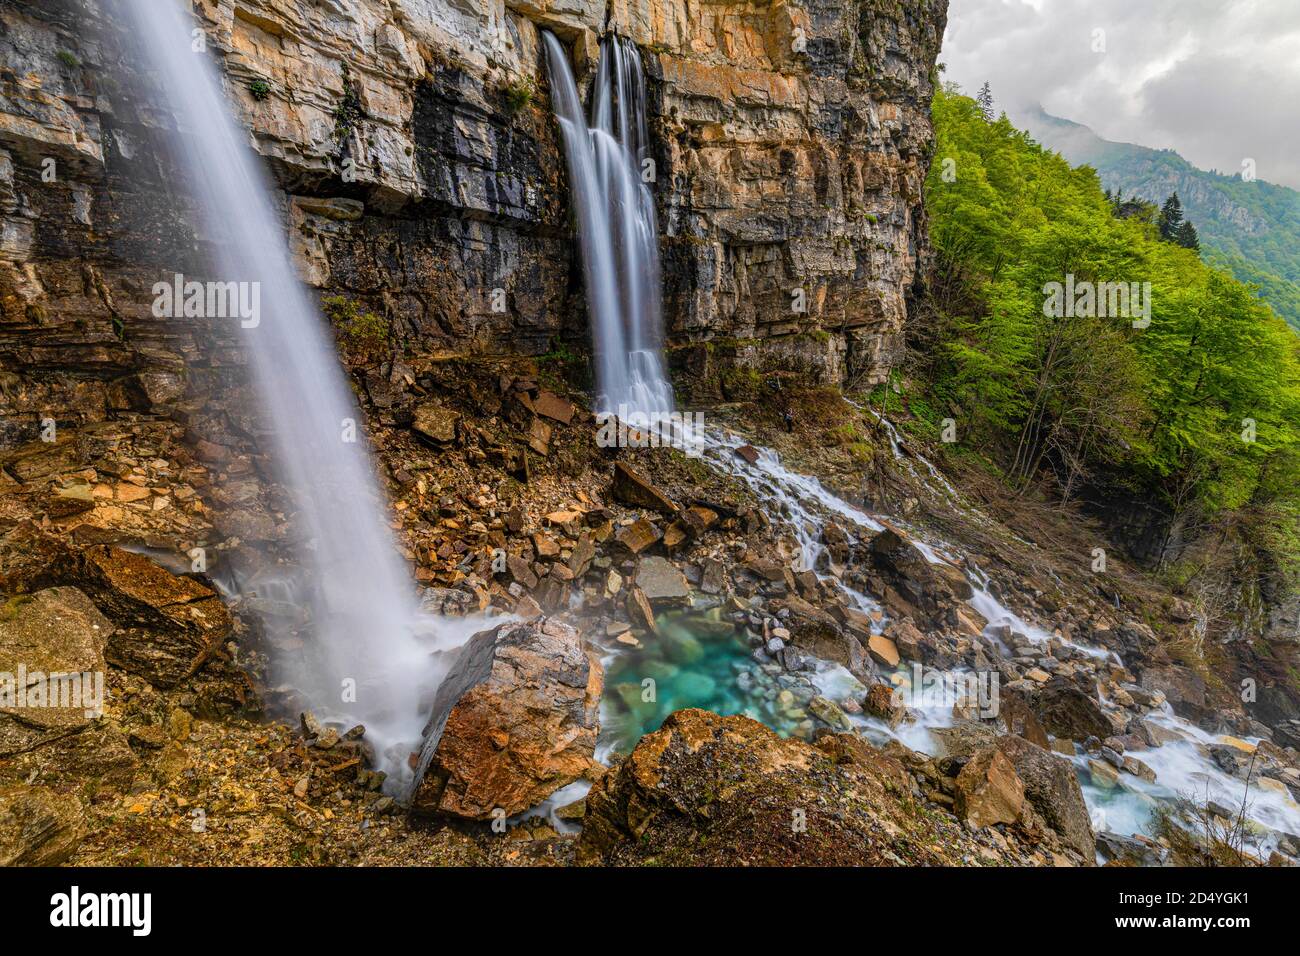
(368, 658)
(608, 158)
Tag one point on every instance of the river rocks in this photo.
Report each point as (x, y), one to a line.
(883, 650)
(38, 826)
(168, 625)
(638, 609)
(1138, 769)
(988, 791)
(515, 720)
(829, 713)
(882, 701)
(435, 423)
(710, 790)
(661, 582)
(1130, 850)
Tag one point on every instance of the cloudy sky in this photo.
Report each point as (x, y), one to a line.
(1217, 80)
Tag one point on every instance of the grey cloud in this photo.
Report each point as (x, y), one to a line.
(1218, 80)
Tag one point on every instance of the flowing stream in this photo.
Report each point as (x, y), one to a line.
(698, 661)
(368, 657)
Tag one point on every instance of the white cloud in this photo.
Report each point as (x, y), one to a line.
(1217, 80)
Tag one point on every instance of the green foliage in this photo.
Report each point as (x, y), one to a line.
(259, 89)
(1248, 226)
(1201, 407)
(519, 94)
(68, 59)
(349, 110)
(363, 335)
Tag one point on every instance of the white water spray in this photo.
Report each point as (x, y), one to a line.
(609, 162)
(368, 655)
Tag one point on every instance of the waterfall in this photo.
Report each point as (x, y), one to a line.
(367, 658)
(609, 163)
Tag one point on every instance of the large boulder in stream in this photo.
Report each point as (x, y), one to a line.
(1051, 785)
(910, 585)
(1063, 710)
(515, 720)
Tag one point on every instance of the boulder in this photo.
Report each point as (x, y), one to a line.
(1129, 851)
(57, 631)
(988, 790)
(881, 701)
(635, 489)
(38, 826)
(1182, 687)
(435, 423)
(661, 581)
(515, 720)
(910, 584)
(638, 536)
(168, 625)
(705, 790)
(1052, 787)
(1063, 710)
(1051, 784)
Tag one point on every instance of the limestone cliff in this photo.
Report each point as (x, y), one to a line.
(420, 169)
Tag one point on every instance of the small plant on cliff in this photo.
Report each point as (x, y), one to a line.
(68, 59)
(519, 94)
(349, 109)
(363, 335)
(259, 89)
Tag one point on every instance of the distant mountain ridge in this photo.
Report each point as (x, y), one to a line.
(1252, 229)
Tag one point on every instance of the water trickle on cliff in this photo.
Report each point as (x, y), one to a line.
(609, 162)
(368, 654)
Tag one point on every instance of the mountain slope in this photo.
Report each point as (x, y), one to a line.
(1251, 229)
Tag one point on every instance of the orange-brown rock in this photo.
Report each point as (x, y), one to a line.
(168, 625)
(515, 720)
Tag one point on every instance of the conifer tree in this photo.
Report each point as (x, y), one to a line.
(1171, 218)
(985, 100)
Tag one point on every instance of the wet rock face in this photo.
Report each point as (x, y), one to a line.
(515, 720)
(424, 180)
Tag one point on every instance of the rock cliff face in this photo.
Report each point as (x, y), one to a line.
(421, 172)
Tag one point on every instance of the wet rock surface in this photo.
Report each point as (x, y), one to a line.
(515, 720)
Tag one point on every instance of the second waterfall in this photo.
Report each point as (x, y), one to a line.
(609, 167)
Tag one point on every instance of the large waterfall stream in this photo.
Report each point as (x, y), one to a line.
(609, 164)
(368, 654)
